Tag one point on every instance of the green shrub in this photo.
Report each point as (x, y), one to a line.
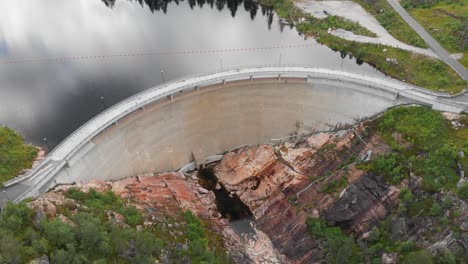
(444, 257)
(421, 207)
(463, 191)
(441, 164)
(436, 210)
(198, 241)
(16, 217)
(376, 250)
(58, 233)
(447, 203)
(417, 257)
(316, 227)
(339, 247)
(406, 195)
(444, 221)
(132, 215)
(374, 234)
(391, 167)
(334, 185)
(9, 248)
(406, 246)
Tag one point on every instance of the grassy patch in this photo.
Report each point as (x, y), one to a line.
(334, 185)
(432, 150)
(463, 191)
(392, 22)
(15, 155)
(108, 201)
(464, 59)
(416, 69)
(446, 21)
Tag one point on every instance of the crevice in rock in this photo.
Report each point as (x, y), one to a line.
(229, 205)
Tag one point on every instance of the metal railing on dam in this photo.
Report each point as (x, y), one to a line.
(170, 125)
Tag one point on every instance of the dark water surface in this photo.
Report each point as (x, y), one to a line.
(51, 98)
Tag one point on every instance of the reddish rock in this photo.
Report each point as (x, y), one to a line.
(256, 177)
(318, 140)
(283, 189)
(49, 202)
(264, 184)
(120, 187)
(97, 185)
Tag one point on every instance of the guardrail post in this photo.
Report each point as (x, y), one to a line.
(6, 196)
(224, 82)
(47, 143)
(251, 77)
(103, 102)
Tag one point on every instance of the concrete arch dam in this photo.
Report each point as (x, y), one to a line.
(173, 124)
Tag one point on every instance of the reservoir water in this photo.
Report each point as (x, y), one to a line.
(63, 62)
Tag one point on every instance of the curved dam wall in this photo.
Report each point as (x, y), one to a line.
(168, 126)
(167, 135)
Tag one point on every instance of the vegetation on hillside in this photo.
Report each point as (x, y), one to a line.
(445, 20)
(15, 155)
(423, 143)
(88, 232)
(464, 60)
(416, 69)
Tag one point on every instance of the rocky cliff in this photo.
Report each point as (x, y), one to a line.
(343, 196)
(282, 187)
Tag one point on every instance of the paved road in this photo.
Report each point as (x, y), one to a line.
(443, 54)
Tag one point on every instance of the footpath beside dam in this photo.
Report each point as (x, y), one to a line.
(190, 119)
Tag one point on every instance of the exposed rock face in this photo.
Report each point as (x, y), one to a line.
(41, 260)
(48, 203)
(255, 175)
(366, 200)
(282, 187)
(262, 182)
(262, 251)
(389, 258)
(170, 193)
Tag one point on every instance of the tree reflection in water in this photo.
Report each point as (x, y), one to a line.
(249, 6)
